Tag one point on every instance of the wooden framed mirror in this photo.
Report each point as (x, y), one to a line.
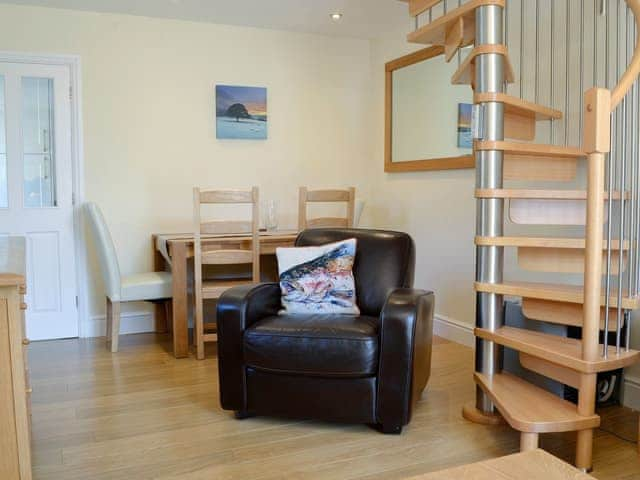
(426, 117)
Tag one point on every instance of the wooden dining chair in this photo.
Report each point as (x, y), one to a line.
(205, 289)
(326, 196)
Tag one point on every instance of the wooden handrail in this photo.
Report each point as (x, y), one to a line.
(633, 70)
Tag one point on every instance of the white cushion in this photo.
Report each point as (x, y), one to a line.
(146, 286)
(318, 279)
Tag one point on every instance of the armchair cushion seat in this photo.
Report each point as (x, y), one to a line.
(145, 286)
(320, 345)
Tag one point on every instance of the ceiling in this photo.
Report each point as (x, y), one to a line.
(361, 18)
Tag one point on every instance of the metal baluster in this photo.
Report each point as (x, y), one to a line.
(535, 78)
(595, 43)
(521, 46)
(459, 54)
(633, 152)
(636, 187)
(607, 287)
(505, 29)
(552, 79)
(567, 50)
(610, 156)
(623, 173)
(636, 179)
(627, 340)
(505, 22)
(628, 125)
(620, 170)
(634, 211)
(581, 91)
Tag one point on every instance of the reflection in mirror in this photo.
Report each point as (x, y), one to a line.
(429, 118)
(425, 111)
(4, 196)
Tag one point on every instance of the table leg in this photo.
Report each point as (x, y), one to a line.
(180, 303)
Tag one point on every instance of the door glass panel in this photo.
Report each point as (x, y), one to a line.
(4, 195)
(38, 145)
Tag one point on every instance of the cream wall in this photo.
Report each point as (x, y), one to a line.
(149, 127)
(436, 208)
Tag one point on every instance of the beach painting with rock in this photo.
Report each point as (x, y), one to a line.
(241, 112)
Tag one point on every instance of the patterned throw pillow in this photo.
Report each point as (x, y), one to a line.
(318, 279)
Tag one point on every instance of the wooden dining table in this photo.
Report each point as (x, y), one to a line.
(173, 251)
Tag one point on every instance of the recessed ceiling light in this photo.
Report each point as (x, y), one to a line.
(336, 16)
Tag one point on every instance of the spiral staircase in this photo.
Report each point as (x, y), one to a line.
(503, 153)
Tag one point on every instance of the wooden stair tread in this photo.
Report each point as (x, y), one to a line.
(434, 33)
(537, 168)
(562, 313)
(518, 106)
(464, 74)
(563, 351)
(530, 409)
(538, 194)
(550, 291)
(530, 149)
(542, 242)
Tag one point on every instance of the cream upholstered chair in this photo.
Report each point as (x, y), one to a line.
(150, 286)
(346, 196)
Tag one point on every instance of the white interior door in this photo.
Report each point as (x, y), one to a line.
(36, 198)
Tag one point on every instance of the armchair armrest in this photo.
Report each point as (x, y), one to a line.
(406, 329)
(237, 309)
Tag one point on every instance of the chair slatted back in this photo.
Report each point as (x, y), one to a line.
(326, 196)
(226, 227)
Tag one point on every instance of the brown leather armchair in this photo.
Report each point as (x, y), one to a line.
(369, 368)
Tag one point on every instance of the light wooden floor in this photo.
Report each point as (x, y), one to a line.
(142, 414)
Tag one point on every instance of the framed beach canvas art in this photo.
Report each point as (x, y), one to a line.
(241, 112)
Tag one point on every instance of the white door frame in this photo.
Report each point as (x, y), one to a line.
(73, 62)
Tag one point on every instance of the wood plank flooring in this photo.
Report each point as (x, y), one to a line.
(141, 414)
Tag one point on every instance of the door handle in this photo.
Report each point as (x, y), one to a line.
(46, 167)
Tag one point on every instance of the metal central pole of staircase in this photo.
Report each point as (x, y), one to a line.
(489, 78)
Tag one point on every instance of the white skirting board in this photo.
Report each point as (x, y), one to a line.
(142, 322)
(130, 322)
(453, 330)
(631, 392)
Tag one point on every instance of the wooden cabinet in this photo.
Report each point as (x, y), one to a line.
(15, 391)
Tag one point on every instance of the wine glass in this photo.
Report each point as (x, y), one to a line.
(270, 216)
